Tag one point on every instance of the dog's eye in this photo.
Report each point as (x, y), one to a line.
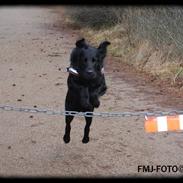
(93, 60)
(85, 60)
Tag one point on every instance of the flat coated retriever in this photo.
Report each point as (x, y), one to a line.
(86, 83)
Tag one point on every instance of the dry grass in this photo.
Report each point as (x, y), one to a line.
(148, 38)
(143, 55)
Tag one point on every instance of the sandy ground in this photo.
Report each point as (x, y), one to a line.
(34, 52)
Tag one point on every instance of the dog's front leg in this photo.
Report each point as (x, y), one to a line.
(94, 99)
(102, 88)
(96, 92)
(85, 98)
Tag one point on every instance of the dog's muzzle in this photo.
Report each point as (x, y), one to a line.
(75, 72)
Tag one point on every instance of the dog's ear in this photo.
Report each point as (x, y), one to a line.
(103, 45)
(103, 48)
(81, 43)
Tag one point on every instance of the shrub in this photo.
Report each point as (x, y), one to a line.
(93, 17)
(162, 25)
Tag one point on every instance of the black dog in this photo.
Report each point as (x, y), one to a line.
(86, 83)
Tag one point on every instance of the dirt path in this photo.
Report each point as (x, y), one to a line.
(34, 52)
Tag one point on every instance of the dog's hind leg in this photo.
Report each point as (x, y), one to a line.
(87, 129)
(68, 120)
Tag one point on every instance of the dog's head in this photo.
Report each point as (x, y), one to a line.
(88, 60)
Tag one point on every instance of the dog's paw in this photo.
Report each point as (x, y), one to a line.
(96, 103)
(85, 140)
(66, 139)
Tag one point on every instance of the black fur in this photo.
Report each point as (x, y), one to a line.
(85, 89)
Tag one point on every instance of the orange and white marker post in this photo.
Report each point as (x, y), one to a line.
(164, 123)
